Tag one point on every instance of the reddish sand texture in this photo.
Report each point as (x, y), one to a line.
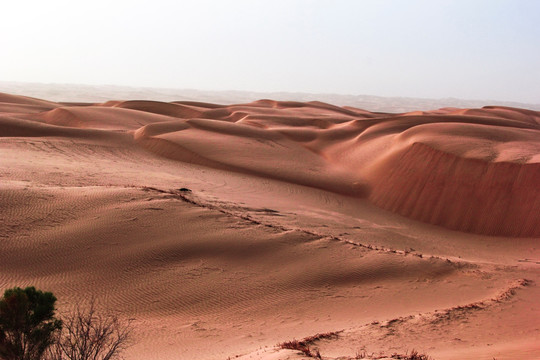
(397, 231)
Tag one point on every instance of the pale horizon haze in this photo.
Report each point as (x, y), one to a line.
(431, 49)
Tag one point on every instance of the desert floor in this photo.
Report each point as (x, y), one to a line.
(223, 230)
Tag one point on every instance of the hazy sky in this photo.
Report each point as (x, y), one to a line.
(472, 49)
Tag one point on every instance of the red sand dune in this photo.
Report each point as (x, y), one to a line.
(293, 204)
(473, 170)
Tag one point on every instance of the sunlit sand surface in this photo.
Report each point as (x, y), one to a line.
(223, 230)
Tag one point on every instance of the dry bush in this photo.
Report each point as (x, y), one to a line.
(303, 345)
(88, 335)
(414, 355)
(300, 346)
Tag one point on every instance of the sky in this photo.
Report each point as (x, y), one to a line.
(468, 49)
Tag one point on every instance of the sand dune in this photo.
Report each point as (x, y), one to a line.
(399, 230)
(388, 159)
(98, 117)
(25, 100)
(472, 170)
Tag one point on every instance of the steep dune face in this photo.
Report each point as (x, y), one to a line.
(495, 198)
(472, 170)
(477, 177)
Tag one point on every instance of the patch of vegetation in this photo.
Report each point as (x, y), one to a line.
(30, 330)
(88, 335)
(304, 345)
(414, 355)
(28, 325)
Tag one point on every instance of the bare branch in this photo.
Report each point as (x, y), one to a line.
(88, 335)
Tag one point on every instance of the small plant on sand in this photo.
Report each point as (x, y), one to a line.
(304, 345)
(300, 346)
(414, 355)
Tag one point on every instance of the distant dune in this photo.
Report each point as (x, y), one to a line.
(221, 228)
(102, 93)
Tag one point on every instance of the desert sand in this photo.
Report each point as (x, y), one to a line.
(224, 230)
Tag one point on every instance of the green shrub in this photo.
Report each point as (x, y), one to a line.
(27, 323)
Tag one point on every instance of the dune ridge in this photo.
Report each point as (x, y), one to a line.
(472, 170)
